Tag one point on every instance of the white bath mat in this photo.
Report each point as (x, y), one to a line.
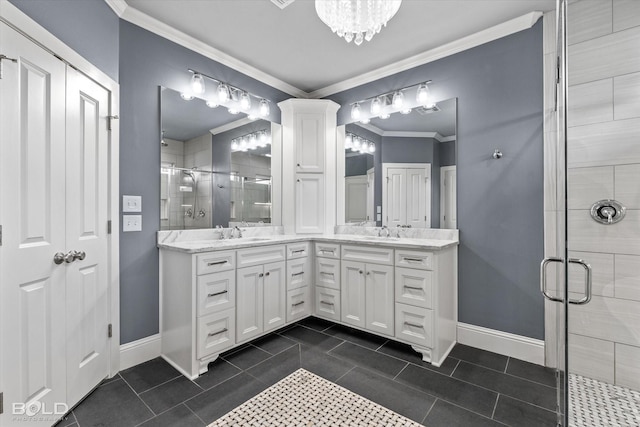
(304, 399)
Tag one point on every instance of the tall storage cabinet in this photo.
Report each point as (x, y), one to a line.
(309, 165)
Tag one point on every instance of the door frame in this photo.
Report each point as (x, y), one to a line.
(16, 19)
(444, 169)
(427, 170)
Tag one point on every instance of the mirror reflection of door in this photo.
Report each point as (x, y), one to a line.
(448, 216)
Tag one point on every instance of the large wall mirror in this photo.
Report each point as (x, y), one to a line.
(215, 166)
(401, 170)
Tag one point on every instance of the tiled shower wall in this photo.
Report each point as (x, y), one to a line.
(603, 159)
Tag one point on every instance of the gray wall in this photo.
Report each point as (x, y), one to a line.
(500, 212)
(146, 61)
(358, 165)
(447, 153)
(89, 27)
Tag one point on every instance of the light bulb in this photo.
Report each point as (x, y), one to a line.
(365, 121)
(234, 144)
(186, 96)
(233, 111)
(245, 101)
(422, 95)
(223, 93)
(212, 104)
(264, 108)
(385, 116)
(263, 139)
(398, 99)
(356, 142)
(376, 106)
(253, 140)
(243, 143)
(372, 147)
(405, 111)
(348, 140)
(356, 111)
(197, 83)
(252, 117)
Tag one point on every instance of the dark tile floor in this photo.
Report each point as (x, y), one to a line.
(472, 388)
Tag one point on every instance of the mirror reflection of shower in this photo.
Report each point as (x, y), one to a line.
(191, 210)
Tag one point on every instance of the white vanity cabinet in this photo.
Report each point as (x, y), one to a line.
(426, 301)
(198, 295)
(299, 281)
(327, 281)
(367, 291)
(261, 291)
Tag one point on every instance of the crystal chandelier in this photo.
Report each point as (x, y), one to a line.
(356, 20)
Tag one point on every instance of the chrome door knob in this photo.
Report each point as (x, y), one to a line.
(58, 258)
(79, 255)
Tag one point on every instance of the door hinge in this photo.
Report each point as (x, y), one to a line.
(1, 403)
(425, 217)
(109, 119)
(3, 57)
(110, 330)
(109, 227)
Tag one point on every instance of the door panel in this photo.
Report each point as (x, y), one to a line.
(353, 293)
(275, 295)
(249, 304)
(87, 197)
(396, 197)
(32, 177)
(379, 295)
(417, 215)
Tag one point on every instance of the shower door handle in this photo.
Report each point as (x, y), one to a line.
(587, 281)
(543, 277)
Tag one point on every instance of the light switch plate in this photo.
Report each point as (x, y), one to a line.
(131, 203)
(379, 209)
(379, 217)
(131, 223)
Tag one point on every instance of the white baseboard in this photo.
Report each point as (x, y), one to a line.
(517, 346)
(140, 351)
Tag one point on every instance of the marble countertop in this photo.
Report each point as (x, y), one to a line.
(207, 242)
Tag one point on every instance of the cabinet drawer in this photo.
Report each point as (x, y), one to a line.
(215, 333)
(298, 304)
(414, 287)
(414, 325)
(414, 259)
(216, 292)
(328, 273)
(260, 255)
(327, 303)
(298, 250)
(298, 273)
(328, 250)
(215, 261)
(367, 254)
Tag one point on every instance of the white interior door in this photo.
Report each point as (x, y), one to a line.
(32, 213)
(418, 190)
(87, 195)
(448, 207)
(396, 200)
(356, 198)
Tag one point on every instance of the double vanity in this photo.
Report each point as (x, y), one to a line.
(217, 294)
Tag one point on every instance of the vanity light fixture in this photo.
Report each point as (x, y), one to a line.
(354, 142)
(186, 96)
(384, 104)
(365, 121)
(197, 83)
(251, 141)
(233, 97)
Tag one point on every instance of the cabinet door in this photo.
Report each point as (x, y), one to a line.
(310, 142)
(309, 203)
(275, 295)
(216, 292)
(328, 273)
(396, 203)
(327, 303)
(416, 199)
(215, 333)
(249, 305)
(353, 293)
(414, 287)
(379, 299)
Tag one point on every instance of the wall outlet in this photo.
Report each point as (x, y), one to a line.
(131, 223)
(131, 203)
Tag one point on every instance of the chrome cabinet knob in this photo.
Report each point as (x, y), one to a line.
(58, 258)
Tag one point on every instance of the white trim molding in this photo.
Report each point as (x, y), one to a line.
(139, 351)
(505, 343)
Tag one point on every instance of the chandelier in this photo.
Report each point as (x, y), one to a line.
(356, 20)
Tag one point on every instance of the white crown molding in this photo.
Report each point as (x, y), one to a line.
(133, 15)
(370, 127)
(406, 134)
(493, 33)
(232, 125)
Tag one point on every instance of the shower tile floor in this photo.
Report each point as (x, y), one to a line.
(596, 403)
(472, 388)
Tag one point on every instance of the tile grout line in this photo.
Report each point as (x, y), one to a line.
(454, 369)
(401, 370)
(381, 345)
(506, 366)
(429, 411)
(193, 412)
(159, 385)
(493, 413)
(341, 376)
(141, 399)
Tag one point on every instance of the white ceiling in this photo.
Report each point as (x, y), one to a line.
(294, 46)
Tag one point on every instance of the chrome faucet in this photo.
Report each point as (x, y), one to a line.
(236, 229)
(384, 230)
(219, 227)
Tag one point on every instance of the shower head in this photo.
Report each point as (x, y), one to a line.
(190, 174)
